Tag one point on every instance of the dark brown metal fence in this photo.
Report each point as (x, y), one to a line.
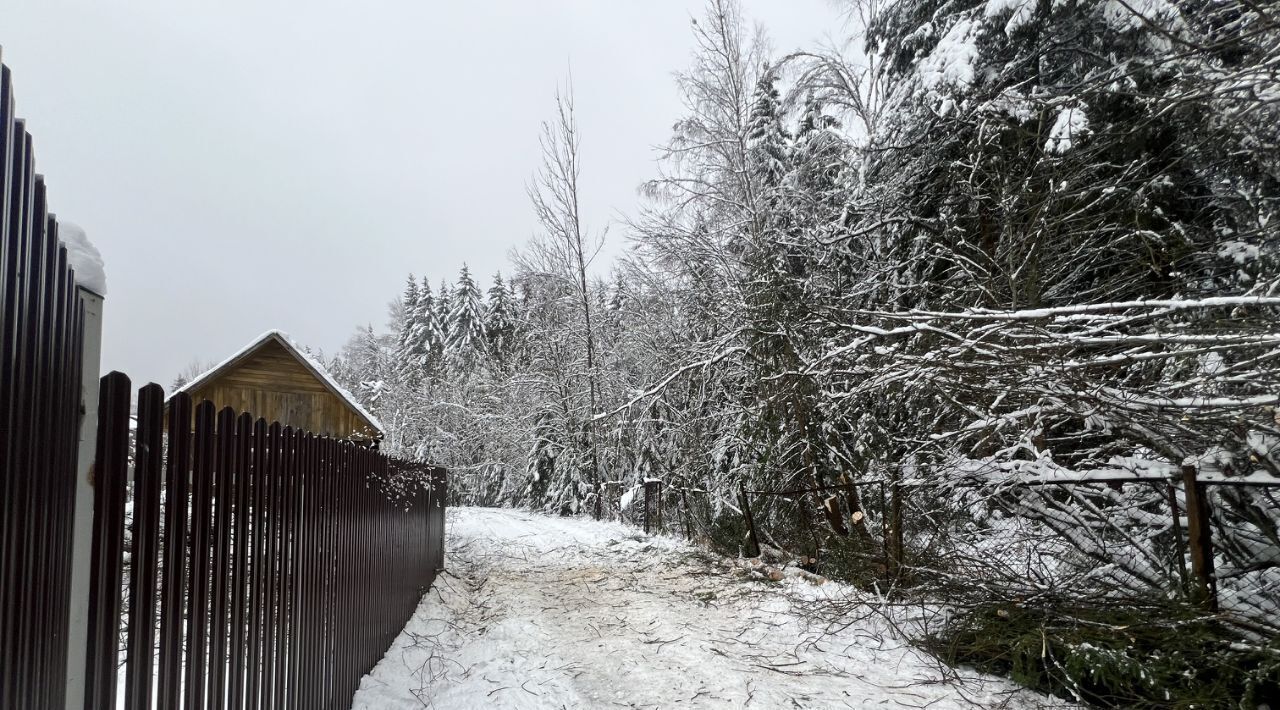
(41, 316)
(266, 567)
(234, 564)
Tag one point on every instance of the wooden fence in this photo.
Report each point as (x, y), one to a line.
(267, 567)
(41, 314)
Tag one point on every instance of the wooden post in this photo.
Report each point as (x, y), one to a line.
(653, 497)
(684, 500)
(662, 527)
(1179, 545)
(885, 523)
(646, 507)
(751, 521)
(1200, 541)
(895, 533)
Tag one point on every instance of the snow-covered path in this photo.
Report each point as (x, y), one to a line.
(543, 612)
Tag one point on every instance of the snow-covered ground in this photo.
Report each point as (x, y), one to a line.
(544, 612)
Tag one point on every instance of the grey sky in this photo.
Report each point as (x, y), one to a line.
(249, 165)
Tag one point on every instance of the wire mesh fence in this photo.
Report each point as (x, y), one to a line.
(1096, 538)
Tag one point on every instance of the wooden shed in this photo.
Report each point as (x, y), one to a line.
(273, 379)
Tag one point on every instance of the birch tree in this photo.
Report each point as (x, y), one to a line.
(560, 258)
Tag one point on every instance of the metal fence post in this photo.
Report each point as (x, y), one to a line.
(82, 527)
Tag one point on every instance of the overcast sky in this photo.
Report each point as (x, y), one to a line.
(249, 165)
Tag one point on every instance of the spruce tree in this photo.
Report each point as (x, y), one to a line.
(424, 338)
(500, 322)
(466, 337)
(410, 349)
(768, 140)
(408, 302)
(429, 335)
(442, 308)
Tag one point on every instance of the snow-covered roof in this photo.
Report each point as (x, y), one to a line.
(84, 258)
(310, 363)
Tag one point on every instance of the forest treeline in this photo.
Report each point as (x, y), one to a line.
(984, 240)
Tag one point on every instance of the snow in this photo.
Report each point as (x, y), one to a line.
(1011, 103)
(84, 257)
(628, 498)
(1071, 125)
(1119, 468)
(302, 355)
(1239, 252)
(1136, 14)
(1089, 308)
(951, 62)
(542, 612)
(1257, 479)
(1023, 12)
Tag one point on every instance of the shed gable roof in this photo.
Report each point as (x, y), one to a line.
(316, 369)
